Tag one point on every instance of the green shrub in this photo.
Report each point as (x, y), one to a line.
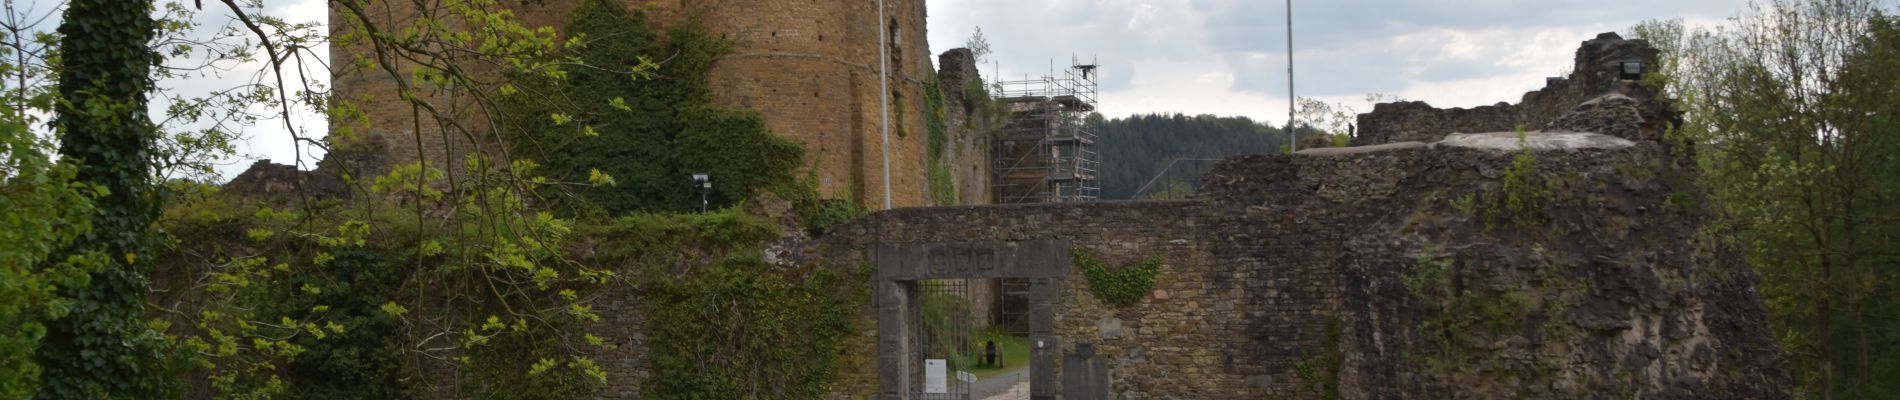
(1524, 193)
(742, 329)
(361, 358)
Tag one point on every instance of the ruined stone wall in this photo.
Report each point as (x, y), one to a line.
(1201, 334)
(810, 69)
(1596, 72)
(1283, 260)
(969, 142)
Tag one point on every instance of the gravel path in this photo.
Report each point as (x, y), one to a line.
(1013, 385)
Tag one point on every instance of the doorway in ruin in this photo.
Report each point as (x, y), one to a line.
(963, 350)
(937, 314)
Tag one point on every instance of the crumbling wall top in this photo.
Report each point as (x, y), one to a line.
(1599, 70)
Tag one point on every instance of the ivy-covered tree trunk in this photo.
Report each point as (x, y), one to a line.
(103, 348)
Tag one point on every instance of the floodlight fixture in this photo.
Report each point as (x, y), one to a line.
(1631, 70)
(703, 182)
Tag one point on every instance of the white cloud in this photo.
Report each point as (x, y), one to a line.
(1228, 56)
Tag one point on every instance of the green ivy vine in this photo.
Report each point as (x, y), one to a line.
(942, 181)
(103, 347)
(719, 317)
(1118, 288)
(637, 127)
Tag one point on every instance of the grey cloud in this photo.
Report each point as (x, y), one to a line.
(1352, 39)
(1255, 25)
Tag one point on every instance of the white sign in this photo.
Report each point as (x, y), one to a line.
(966, 377)
(935, 380)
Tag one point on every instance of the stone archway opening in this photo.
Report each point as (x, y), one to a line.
(906, 274)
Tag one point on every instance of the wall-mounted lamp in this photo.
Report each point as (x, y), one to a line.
(703, 182)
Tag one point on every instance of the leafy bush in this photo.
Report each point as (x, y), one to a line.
(722, 333)
(1524, 193)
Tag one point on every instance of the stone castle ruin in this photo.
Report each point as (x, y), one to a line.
(809, 69)
(1445, 256)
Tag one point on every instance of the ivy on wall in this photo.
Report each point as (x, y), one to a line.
(720, 318)
(743, 330)
(943, 185)
(1118, 288)
(636, 128)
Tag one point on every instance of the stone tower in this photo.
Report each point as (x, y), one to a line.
(809, 68)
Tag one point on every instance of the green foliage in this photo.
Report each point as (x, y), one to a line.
(516, 367)
(1789, 111)
(944, 321)
(1466, 204)
(1451, 314)
(723, 332)
(357, 353)
(1524, 193)
(1465, 314)
(664, 240)
(1319, 374)
(985, 112)
(979, 46)
(42, 210)
(103, 347)
(1015, 353)
(311, 303)
(821, 215)
(942, 181)
(719, 329)
(1118, 288)
(637, 129)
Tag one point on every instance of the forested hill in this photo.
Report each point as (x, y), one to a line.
(1134, 149)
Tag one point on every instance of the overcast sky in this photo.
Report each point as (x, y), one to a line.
(1222, 57)
(1228, 57)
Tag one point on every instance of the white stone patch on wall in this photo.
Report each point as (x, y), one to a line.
(1508, 141)
(1340, 151)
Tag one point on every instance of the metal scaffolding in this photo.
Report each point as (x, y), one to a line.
(1046, 153)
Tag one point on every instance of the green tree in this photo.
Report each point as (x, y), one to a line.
(1791, 107)
(103, 348)
(41, 211)
(1138, 149)
(1333, 121)
(979, 46)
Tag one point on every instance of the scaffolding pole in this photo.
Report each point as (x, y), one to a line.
(1046, 153)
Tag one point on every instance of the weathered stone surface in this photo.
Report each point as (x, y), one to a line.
(968, 148)
(1612, 114)
(1278, 261)
(1281, 259)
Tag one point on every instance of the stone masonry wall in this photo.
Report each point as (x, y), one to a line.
(1284, 259)
(1402, 270)
(810, 69)
(969, 151)
(1396, 270)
